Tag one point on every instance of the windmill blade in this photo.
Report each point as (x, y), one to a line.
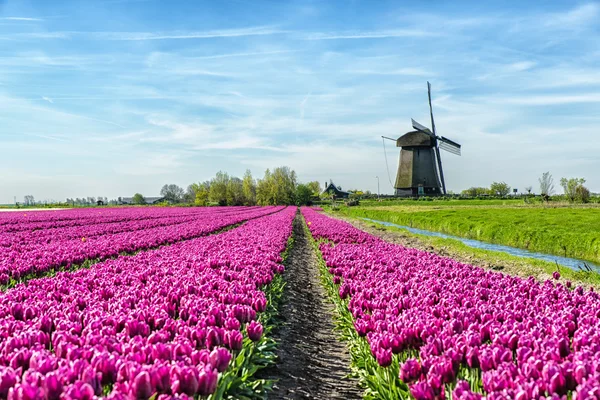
(421, 128)
(449, 146)
(430, 107)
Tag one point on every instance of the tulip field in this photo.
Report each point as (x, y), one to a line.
(180, 320)
(162, 303)
(37, 242)
(429, 327)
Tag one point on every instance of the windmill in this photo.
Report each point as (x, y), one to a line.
(420, 169)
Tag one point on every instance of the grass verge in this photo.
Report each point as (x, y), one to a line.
(567, 232)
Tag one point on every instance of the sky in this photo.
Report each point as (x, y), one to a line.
(113, 97)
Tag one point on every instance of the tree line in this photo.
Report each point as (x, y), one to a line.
(277, 187)
(573, 189)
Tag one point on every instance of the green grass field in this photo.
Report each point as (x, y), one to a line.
(571, 231)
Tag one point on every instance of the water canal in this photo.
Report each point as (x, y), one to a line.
(572, 263)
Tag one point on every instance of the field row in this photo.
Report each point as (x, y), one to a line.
(172, 321)
(24, 253)
(438, 328)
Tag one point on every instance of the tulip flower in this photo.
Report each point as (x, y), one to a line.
(254, 330)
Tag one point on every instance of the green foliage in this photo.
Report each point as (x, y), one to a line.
(249, 188)
(218, 188)
(202, 194)
(303, 195)
(138, 199)
(277, 187)
(582, 194)
(315, 188)
(235, 192)
(475, 192)
(172, 193)
(500, 189)
(571, 187)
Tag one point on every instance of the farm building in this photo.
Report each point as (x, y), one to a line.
(336, 191)
(149, 200)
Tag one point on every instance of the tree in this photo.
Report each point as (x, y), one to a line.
(283, 186)
(190, 193)
(475, 191)
(570, 186)
(235, 192)
(249, 188)
(263, 193)
(28, 200)
(499, 189)
(582, 194)
(315, 187)
(218, 188)
(529, 189)
(303, 195)
(172, 193)
(546, 184)
(138, 199)
(202, 194)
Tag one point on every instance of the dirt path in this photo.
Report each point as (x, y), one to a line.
(312, 363)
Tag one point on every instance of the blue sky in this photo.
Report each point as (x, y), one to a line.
(113, 97)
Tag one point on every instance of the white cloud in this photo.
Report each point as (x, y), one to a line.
(581, 15)
(26, 19)
(174, 35)
(383, 34)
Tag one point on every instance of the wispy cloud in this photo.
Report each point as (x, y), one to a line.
(398, 71)
(554, 99)
(303, 104)
(143, 36)
(257, 53)
(27, 19)
(48, 99)
(224, 33)
(581, 15)
(370, 34)
(58, 139)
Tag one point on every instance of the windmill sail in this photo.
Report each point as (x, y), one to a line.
(420, 127)
(449, 145)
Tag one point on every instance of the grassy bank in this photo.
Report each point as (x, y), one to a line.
(565, 231)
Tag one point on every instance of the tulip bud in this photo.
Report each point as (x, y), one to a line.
(235, 340)
(384, 357)
(207, 381)
(556, 275)
(422, 391)
(254, 330)
(8, 379)
(160, 378)
(142, 387)
(410, 371)
(220, 358)
(188, 381)
(53, 386)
